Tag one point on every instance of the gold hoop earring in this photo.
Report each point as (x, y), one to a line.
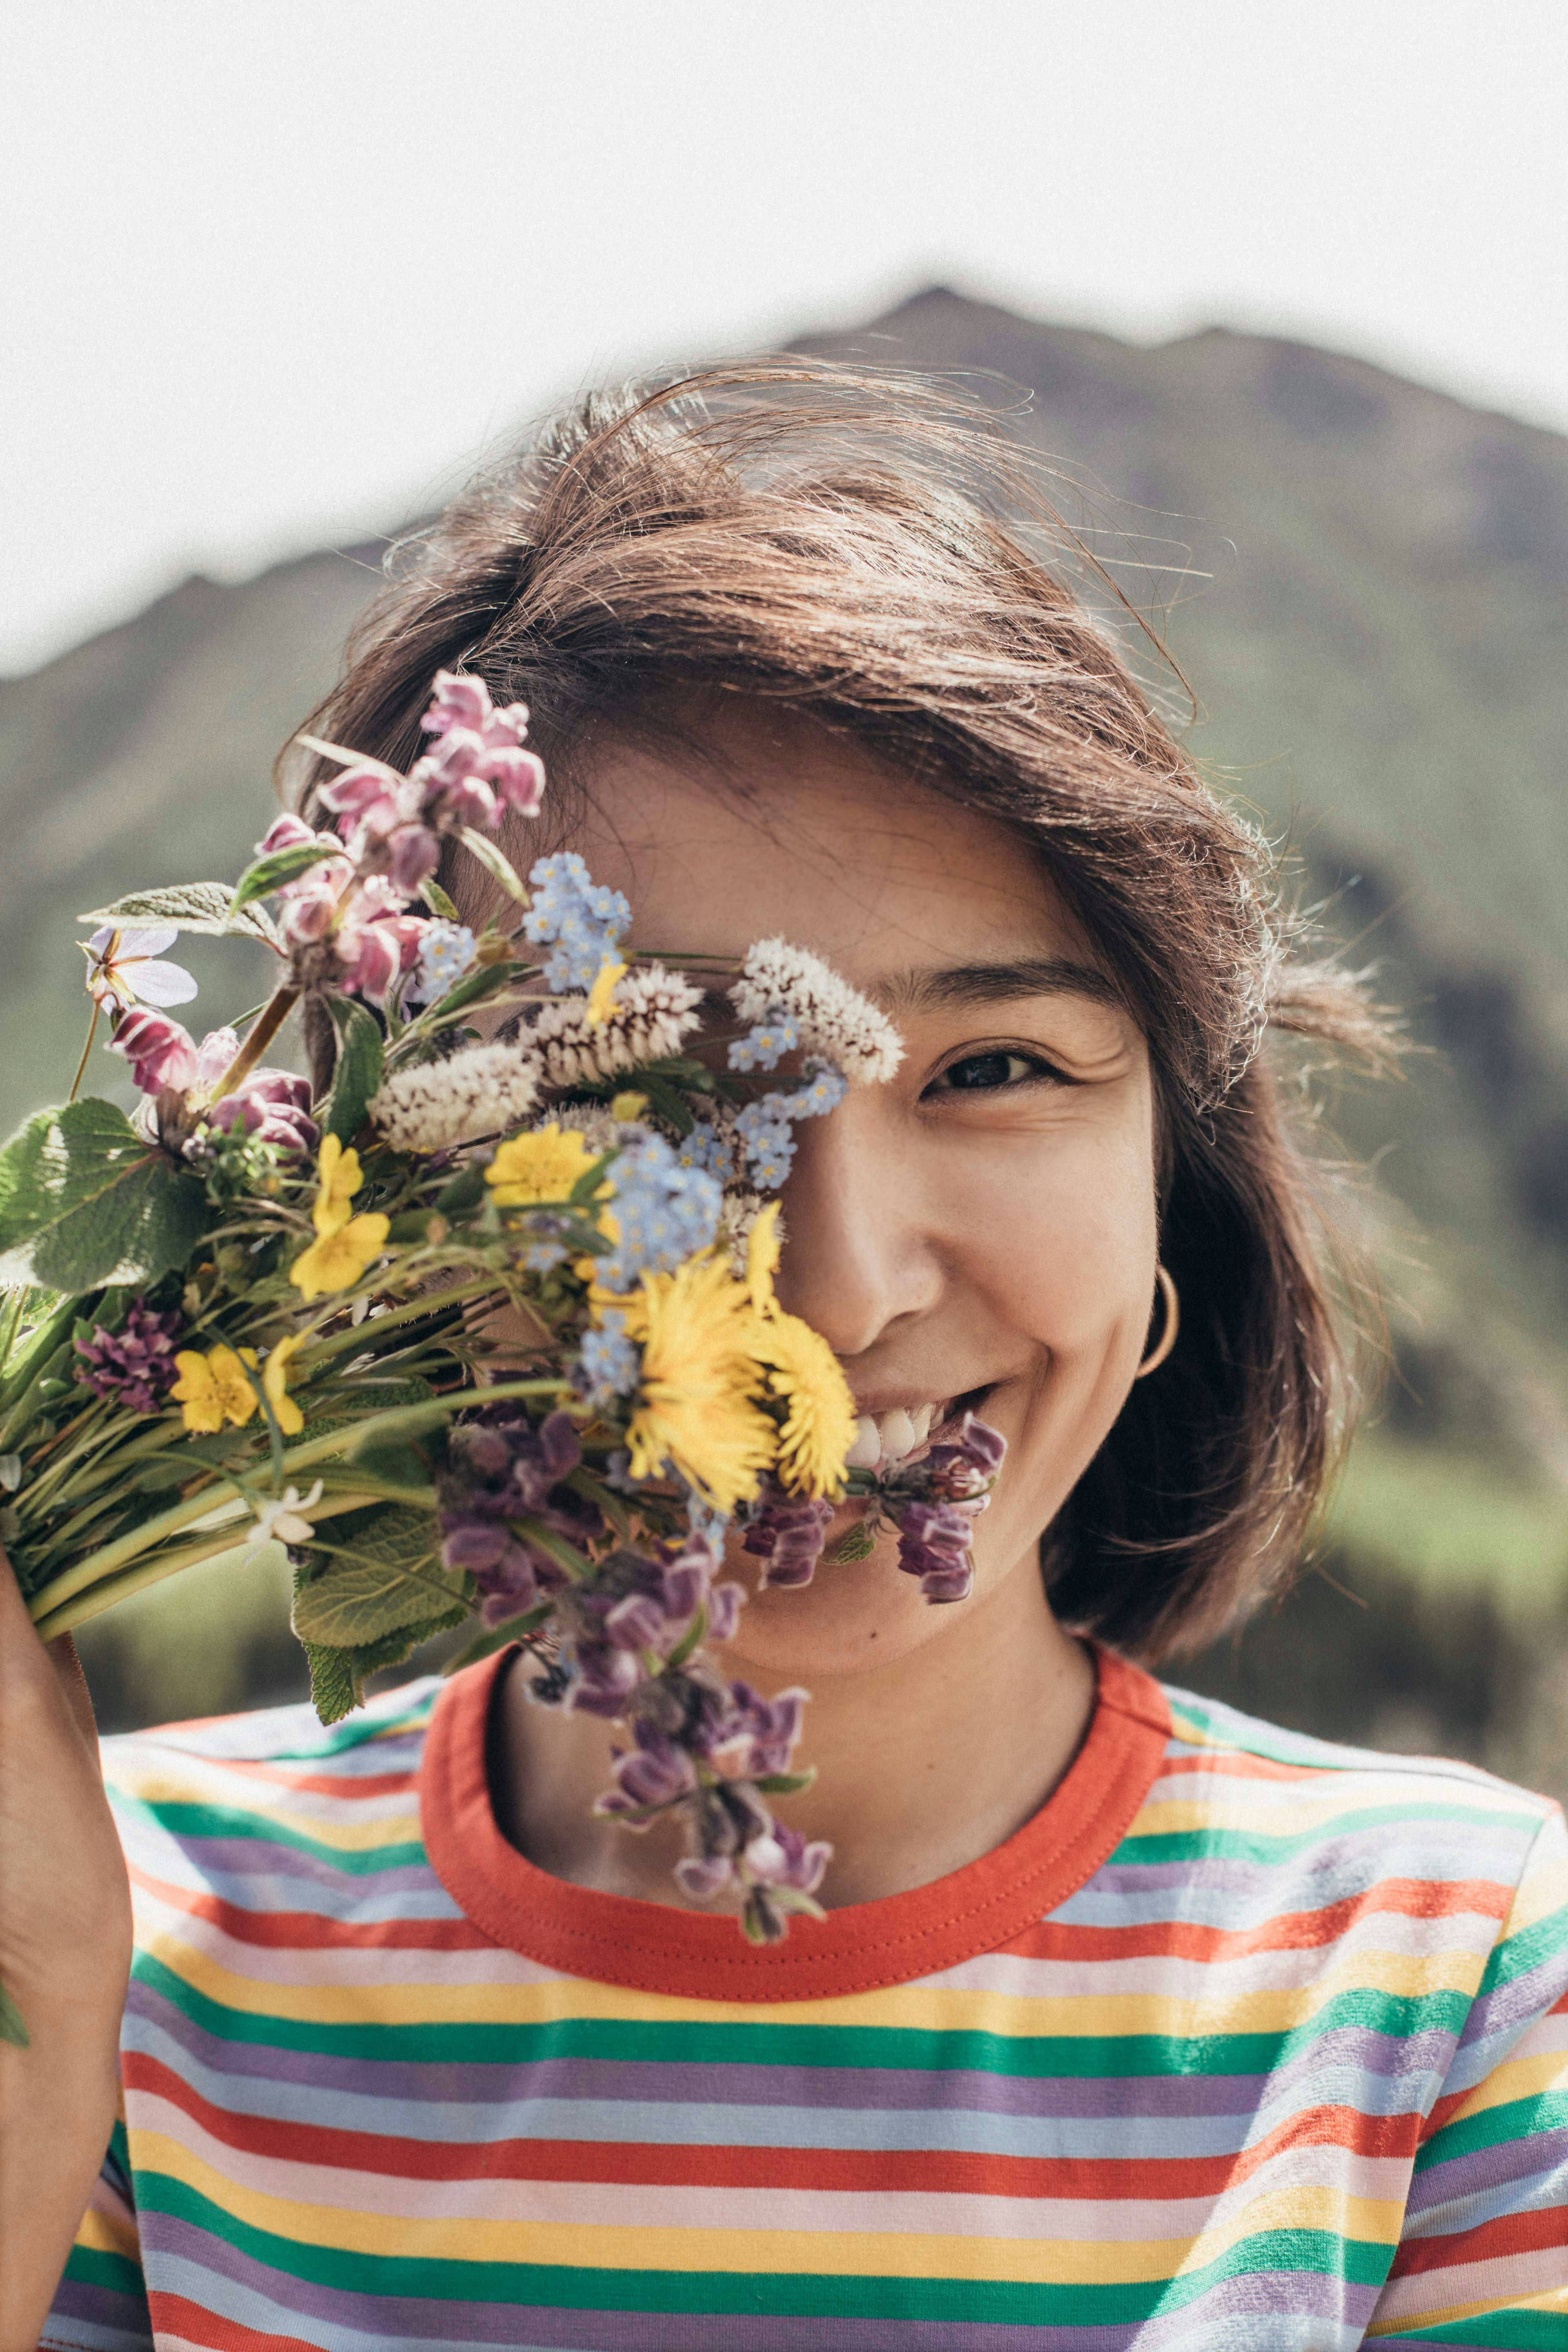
(1167, 1340)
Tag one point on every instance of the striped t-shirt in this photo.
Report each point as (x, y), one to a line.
(1242, 2041)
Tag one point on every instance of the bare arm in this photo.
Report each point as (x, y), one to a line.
(64, 1954)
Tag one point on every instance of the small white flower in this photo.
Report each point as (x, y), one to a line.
(486, 1090)
(283, 1519)
(835, 1020)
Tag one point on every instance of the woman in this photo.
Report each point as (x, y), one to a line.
(1131, 2021)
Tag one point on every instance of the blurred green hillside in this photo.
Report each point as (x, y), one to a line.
(1367, 584)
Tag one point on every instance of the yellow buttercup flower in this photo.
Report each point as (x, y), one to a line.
(275, 1388)
(336, 1260)
(340, 1180)
(819, 1419)
(213, 1389)
(542, 1166)
(762, 1252)
(631, 1104)
(602, 995)
(695, 1412)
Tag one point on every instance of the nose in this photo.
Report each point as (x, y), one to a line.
(862, 1247)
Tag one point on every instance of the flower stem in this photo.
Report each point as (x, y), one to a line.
(81, 1066)
(269, 1022)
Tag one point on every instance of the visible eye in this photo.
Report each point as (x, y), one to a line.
(983, 1073)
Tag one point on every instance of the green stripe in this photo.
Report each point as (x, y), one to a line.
(183, 1821)
(1498, 2331)
(1513, 2119)
(1253, 1845)
(1546, 1940)
(806, 2293)
(94, 2266)
(695, 2043)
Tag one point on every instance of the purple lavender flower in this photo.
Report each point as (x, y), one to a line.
(134, 1365)
(788, 1532)
(783, 1857)
(499, 1468)
(935, 1541)
(651, 1776)
(967, 1467)
(756, 1736)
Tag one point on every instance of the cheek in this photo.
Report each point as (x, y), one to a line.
(1062, 1238)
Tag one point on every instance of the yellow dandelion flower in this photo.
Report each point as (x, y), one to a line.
(275, 1388)
(762, 1251)
(602, 995)
(819, 1419)
(339, 1179)
(335, 1261)
(696, 1413)
(213, 1389)
(542, 1166)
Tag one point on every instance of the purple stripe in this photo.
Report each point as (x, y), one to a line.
(1297, 2304)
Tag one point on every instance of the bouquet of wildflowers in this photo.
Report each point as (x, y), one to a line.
(482, 1324)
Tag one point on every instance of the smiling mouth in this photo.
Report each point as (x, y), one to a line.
(886, 1440)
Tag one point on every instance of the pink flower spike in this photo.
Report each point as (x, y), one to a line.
(365, 797)
(161, 1054)
(516, 777)
(217, 1051)
(460, 701)
(371, 958)
(415, 854)
(285, 832)
(123, 968)
(306, 916)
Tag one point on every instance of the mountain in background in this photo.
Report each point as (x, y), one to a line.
(1365, 580)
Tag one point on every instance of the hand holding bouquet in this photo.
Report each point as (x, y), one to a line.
(476, 1324)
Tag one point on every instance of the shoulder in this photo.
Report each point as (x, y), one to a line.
(1300, 1809)
(207, 1800)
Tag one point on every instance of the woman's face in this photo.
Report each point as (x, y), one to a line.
(983, 1227)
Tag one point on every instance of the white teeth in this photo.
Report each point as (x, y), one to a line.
(867, 1450)
(887, 1440)
(898, 1432)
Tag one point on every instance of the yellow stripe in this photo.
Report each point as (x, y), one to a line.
(109, 2233)
(1256, 1809)
(1444, 2315)
(1516, 2078)
(840, 2254)
(336, 1829)
(929, 2008)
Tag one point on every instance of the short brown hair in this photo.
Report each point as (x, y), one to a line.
(885, 559)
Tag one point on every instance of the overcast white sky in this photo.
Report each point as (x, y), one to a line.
(281, 269)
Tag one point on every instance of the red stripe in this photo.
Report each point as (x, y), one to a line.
(1510, 2234)
(637, 2164)
(175, 2315)
(1406, 1898)
(309, 1931)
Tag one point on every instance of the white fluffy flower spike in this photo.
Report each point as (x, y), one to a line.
(650, 1015)
(485, 1090)
(833, 1019)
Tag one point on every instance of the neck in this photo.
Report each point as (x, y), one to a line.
(924, 1762)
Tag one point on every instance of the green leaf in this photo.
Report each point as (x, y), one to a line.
(192, 906)
(268, 873)
(381, 1572)
(12, 2024)
(784, 1784)
(436, 898)
(497, 866)
(358, 1072)
(338, 1677)
(85, 1201)
(855, 1543)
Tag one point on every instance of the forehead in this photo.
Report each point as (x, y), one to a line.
(758, 823)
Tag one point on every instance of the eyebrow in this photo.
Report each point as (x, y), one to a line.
(987, 983)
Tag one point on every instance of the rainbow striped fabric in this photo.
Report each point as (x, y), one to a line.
(1244, 2042)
